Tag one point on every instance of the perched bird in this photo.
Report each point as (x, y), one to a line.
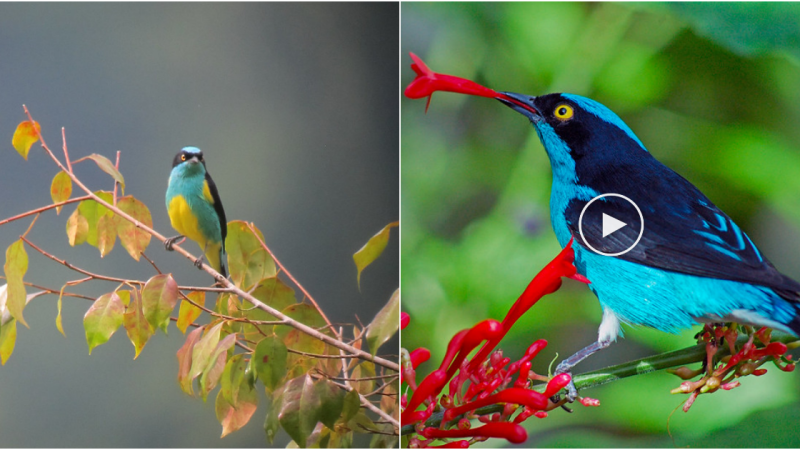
(692, 264)
(195, 209)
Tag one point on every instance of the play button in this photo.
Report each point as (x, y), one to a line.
(611, 224)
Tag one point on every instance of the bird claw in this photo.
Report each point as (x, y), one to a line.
(169, 242)
(572, 391)
(199, 262)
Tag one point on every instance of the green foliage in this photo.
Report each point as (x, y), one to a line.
(713, 90)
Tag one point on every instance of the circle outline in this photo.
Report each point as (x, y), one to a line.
(641, 227)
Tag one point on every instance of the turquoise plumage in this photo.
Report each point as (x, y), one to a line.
(195, 209)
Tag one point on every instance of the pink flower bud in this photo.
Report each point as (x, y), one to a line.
(540, 414)
(404, 320)
(586, 401)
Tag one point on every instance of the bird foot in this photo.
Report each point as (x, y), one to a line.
(572, 391)
(199, 262)
(169, 242)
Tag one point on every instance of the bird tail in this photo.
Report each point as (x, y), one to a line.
(217, 258)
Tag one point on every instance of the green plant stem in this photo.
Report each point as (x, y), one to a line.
(688, 355)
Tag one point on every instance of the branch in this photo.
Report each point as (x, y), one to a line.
(208, 269)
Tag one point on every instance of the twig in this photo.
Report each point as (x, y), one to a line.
(44, 208)
(210, 270)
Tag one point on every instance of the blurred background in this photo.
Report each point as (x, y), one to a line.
(713, 91)
(296, 109)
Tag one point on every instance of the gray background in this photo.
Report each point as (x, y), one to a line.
(296, 109)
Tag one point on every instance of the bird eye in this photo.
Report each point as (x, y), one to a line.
(183, 157)
(564, 112)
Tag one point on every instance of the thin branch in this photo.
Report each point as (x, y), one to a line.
(44, 208)
(210, 270)
(299, 286)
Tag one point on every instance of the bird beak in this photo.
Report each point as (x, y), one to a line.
(522, 104)
(194, 159)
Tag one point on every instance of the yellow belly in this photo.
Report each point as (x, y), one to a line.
(184, 222)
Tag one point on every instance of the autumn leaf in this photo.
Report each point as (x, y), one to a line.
(60, 189)
(237, 399)
(77, 228)
(185, 360)
(93, 211)
(249, 263)
(134, 239)
(188, 313)
(136, 324)
(106, 166)
(25, 136)
(106, 234)
(102, 319)
(372, 249)
(385, 323)
(269, 361)
(159, 296)
(15, 267)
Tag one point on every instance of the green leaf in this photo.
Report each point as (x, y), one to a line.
(102, 319)
(385, 323)
(331, 399)
(300, 409)
(15, 267)
(237, 400)
(136, 324)
(248, 260)
(185, 360)
(60, 189)
(108, 167)
(159, 296)
(216, 365)
(8, 337)
(77, 228)
(134, 239)
(106, 234)
(364, 369)
(272, 292)
(269, 361)
(296, 340)
(271, 423)
(201, 353)
(188, 313)
(93, 211)
(372, 249)
(25, 136)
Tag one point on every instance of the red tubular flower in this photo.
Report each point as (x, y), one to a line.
(510, 431)
(557, 383)
(452, 349)
(404, 320)
(427, 82)
(483, 331)
(419, 356)
(430, 386)
(517, 396)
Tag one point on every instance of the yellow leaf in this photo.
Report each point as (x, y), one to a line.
(60, 189)
(108, 167)
(25, 136)
(77, 228)
(15, 267)
(59, 325)
(106, 234)
(8, 337)
(372, 249)
(188, 313)
(134, 239)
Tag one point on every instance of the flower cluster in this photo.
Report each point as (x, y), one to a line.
(725, 375)
(486, 379)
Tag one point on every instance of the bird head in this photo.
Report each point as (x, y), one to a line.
(576, 130)
(189, 161)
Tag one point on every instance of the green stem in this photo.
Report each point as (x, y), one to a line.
(688, 355)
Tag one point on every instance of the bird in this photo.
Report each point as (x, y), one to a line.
(692, 264)
(195, 209)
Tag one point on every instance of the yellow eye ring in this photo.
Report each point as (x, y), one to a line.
(563, 112)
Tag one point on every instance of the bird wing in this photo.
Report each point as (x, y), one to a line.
(223, 222)
(684, 232)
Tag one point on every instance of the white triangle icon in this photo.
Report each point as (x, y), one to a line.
(611, 224)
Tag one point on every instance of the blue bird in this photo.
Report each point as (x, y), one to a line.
(693, 263)
(195, 209)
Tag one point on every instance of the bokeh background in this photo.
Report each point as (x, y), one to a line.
(712, 90)
(296, 109)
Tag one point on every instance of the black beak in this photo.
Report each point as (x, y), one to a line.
(523, 104)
